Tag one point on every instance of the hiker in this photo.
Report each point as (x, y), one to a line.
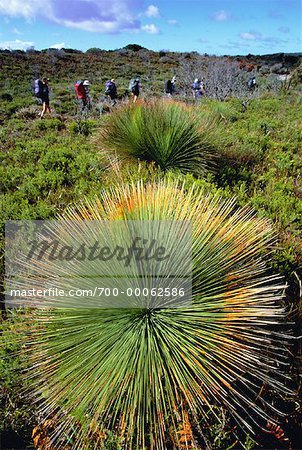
(111, 91)
(134, 88)
(170, 87)
(251, 84)
(198, 88)
(82, 92)
(44, 96)
(38, 85)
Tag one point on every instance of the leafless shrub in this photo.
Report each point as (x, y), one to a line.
(276, 68)
(222, 78)
(28, 112)
(189, 70)
(264, 70)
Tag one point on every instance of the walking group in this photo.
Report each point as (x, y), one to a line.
(84, 99)
(82, 92)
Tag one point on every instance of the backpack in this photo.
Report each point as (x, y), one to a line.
(197, 85)
(133, 85)
(251, 82)
(38, 88)
(79, 88)
(108, 87)
(168, 87)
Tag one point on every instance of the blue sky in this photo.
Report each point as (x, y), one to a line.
(214, 27)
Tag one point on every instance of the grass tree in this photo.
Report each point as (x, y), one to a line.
(148, 376)
(166, 132)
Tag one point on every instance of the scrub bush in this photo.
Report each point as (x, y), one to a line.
(166, 132)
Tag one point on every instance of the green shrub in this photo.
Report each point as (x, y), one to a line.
(9, 108)
(166, 132)
(219, 111)
(50, 124)
(17, 412)
(82, 126)
(297, 76)
(5, 96)
(167, 366)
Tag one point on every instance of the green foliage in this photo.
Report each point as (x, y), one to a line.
(49, 124)
(8, 108)
(297, 76)
(17, 412)
(166, 366)
(94, 50)
(218, 431)
(47, 165)
(134, 47)
(112, 442)
(165, 132)
(5, 96)
(42, 169)
(219, 111)
(261, 163)
(81, 126)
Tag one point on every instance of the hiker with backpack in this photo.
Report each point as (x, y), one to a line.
(42, 93)
(111, 91)
(170, 87)
(134, 88)
(251, 84)
(83, 96)
(198, 88)
(38, 90)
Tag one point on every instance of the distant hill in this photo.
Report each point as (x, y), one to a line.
(19, 66)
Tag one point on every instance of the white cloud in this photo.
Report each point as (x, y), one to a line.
(250, 36)
(92, 25)
(172, 22)
(27, 8)
(151, 29)
(16, 31)
(221, 16)
(106, 16)
(16, 45)
(152, 11)
(261, 38)
(59, 46)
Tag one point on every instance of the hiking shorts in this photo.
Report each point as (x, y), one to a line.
(45, 99)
